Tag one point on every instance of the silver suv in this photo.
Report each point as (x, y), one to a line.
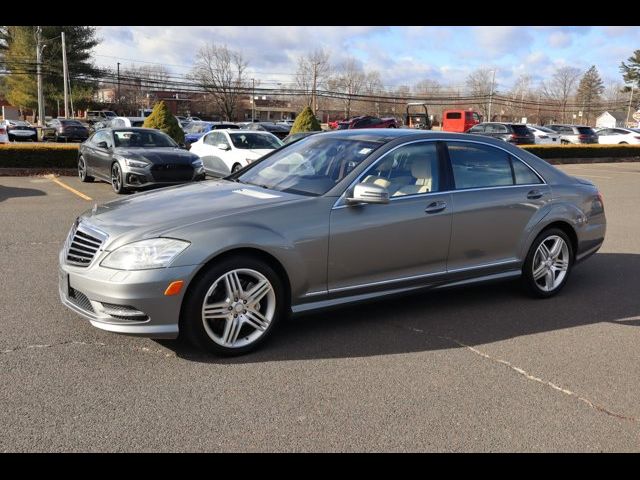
(575, 133)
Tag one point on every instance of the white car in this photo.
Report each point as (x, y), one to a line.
(225, 151)
(619, 135)
(544, 135)
(120, 122)
(4, 136)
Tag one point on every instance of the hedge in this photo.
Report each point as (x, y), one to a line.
(38, 155)
(65, 155)
(583, 151)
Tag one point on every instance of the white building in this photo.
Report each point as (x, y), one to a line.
(611, 120)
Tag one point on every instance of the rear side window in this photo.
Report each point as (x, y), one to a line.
(523, 174)
(521, 129)
(477, 166)
(454, 116)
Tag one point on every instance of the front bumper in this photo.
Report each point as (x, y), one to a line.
(127, 302)
(136, 177)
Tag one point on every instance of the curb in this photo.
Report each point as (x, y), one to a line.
(32, 172)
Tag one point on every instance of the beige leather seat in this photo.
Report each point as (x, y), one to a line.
(421, 171)
(384, 169)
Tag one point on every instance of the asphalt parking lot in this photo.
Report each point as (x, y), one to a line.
(480, 369)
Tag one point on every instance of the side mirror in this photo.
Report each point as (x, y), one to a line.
(103, 145)
(368, 193)
(183, 146)
(223, 146)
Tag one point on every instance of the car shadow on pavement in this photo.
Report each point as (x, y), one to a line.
(12, 192)
(603, 289)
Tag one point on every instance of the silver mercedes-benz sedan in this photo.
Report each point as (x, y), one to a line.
(331, 219)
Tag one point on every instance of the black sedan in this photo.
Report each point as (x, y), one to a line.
(66, 129)
(136, 158)
(18, 131)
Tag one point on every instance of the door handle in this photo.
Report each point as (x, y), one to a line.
(534, 194)
(435, 207)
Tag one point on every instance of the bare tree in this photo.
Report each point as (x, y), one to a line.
(519, 92)
(222, 73)
(311, 74)
(372, 87)
(480, 85)
(427, 87)
(560, 88)
(350, 81)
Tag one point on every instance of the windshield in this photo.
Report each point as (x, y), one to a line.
(142, 139)
(311, 166)
(257, 141)
(196, 127)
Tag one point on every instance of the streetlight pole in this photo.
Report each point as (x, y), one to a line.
(64, 75)
(493, 79)
(39, 61)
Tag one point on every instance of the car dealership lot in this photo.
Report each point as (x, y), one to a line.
(476, 369)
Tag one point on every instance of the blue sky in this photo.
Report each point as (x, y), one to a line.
(402, 55)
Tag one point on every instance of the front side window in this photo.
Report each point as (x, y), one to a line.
(408, 170)
(477, 166)
(312, 166)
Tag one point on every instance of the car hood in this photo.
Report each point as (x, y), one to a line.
(255, 153)
(157, 156)
(157, 212)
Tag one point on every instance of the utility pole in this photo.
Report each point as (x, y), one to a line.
(39, 61)
(70, 95)
(65, 74)
(253, 99)
(313, 92)
(118, 99)
(491, 94)
(539, 98)
(629, 108)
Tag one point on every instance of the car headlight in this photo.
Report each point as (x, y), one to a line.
(135, 163)
(145, 254)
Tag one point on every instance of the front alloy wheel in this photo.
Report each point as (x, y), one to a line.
(116, 179)
(233, 307)
(82, 171)
(548, 264)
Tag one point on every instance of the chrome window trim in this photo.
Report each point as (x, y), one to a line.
(340, 201)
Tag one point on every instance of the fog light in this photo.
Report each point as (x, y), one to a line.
(174, 288)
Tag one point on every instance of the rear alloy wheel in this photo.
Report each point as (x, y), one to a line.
(116, 179)
(82, 171)
(233, 307)
(548, 263)
(236, 167)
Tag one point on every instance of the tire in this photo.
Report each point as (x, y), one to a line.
(117, 182)
(234, 328)
(564, 142)
(236, 167)
(623, 143)
(552, 277)
(82, 171)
